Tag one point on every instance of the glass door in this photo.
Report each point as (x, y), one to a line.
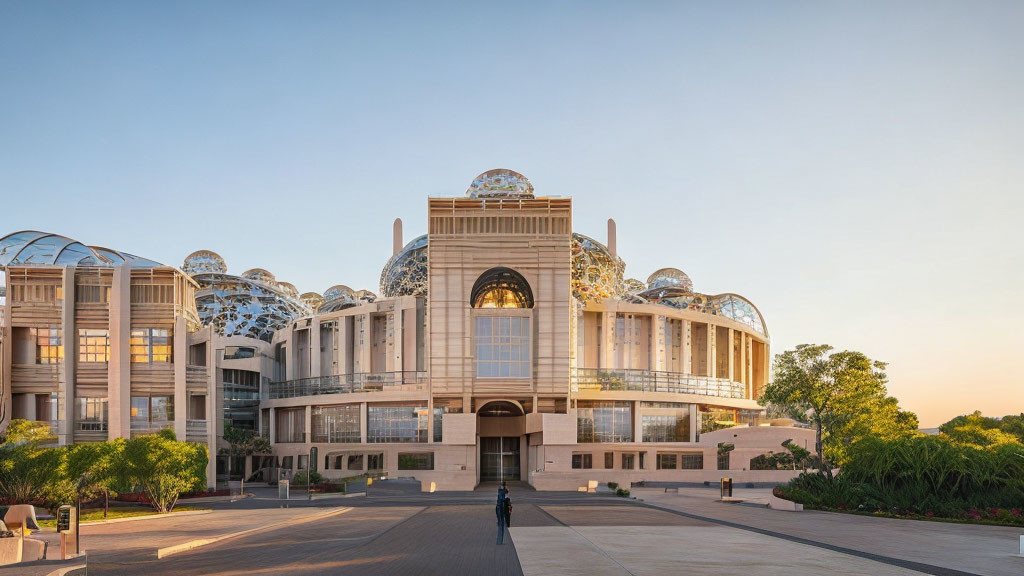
(499, 459)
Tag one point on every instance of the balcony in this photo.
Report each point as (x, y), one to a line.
(141, 427)
(652, 381)
(90, 426)
(349, 383)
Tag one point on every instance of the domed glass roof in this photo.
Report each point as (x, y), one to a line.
(337, 292)
(595, 273)
(669, 278)
(289, 289)
(313, 300)
(204, 262)
(500, 183)
(31, 247)
(366, 296)
(260, 275)
(405, 274)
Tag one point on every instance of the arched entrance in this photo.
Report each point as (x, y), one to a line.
(500, 425)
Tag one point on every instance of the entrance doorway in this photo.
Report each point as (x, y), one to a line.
(499, 459)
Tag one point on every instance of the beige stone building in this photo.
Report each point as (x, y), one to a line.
(502, 345)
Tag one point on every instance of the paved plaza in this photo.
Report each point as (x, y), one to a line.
(397, 530)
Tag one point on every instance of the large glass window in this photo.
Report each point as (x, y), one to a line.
(93, 345)
(665, 421)
(49, 349)
(502, 347)
(241, 397)
(666, 461)
(604, 421)
(290, 425)
(396, 423)
(415, 460)
(151, 413)
(501, 288)
(91, 414)
(151, 345)
(336, 423)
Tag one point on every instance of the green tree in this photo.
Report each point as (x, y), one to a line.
(243, 443)
(843, 395)
(27, 468)
(979, 430)
(162, 467)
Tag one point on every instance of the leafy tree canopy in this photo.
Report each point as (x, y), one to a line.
(977, 430)
(843, 394)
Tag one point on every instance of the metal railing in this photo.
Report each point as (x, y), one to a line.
(349, 383)
(654, 381)
(195, 427)
(90, 426)
(140, 427)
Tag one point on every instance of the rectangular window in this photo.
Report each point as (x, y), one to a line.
(48, 346)
(609, 460)
(666, 461)
(151, 345)
(91, 414)
(396, 423)
(290, 426)
(152, 294)
(93, 345)
(582, 461)
(355, 462)
(286, 462)
(150, 414)
(303, 461)
(336, 423)
(415, 460)
(502, 347)
(604, 421)
(444, 406)
(196, 407)
(375, 462)
(693, 462)
(665, 421)
(628, 461)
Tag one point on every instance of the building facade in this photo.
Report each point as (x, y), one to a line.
(502, 346)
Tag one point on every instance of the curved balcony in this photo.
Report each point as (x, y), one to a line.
(599, 379)
(348, 384)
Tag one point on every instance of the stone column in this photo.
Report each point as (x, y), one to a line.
(273, 426)
(309, 425)
(686, 350)
(179, 355)
(119, 367)
(732, 356)
(364, 416)
(713, 350)
(315, 369)
(66, 386)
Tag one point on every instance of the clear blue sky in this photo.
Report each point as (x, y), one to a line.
(854, 169)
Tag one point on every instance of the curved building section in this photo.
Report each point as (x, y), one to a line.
(34, 248)
(405, 274)
(254, 304)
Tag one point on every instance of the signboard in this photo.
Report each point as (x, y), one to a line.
(314, 456)
(65, 521)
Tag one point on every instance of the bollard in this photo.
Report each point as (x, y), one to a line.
(1022, 544)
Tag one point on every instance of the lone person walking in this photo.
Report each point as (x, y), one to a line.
(499, 511)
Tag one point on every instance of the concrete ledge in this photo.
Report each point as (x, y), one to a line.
(776, 503)
(193, 544)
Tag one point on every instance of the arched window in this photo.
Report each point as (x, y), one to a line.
(501, 288)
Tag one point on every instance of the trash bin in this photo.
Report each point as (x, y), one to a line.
(282, 489)
(726, 487)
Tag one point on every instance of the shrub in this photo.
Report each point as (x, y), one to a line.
(622, 492)
(613, 485)
(302, 478)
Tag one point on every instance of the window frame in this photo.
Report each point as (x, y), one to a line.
(142, 348)
(493, 352)
(93, 346)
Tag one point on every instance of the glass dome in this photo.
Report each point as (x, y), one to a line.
(204, 262)
(595, 273)
(32, 247)
(313, 300)
(337, 292)
(500, 183)
(405, 274)
(670, 278)
(260, 275)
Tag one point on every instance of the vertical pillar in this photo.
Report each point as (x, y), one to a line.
(315, 369)
(396, 237)
(750, 367)
(364, 416)
(273, 426)
(179, 355)
(397, 336)
(732, 356)
(309, 424)
(289, 353)
(743, 362)
(214, 420)
(710, 349)
(638, 423)
(661, 351)
(119, 367)
(6, 357)
(686, 351)
(612, 240)
(694, 422)
(66, 386)
(344, 346)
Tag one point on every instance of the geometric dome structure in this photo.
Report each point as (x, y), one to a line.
(500, 183)
(405, 274)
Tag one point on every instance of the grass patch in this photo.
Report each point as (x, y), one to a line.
(96, 515)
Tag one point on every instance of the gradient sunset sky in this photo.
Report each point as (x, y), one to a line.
(854, 169)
